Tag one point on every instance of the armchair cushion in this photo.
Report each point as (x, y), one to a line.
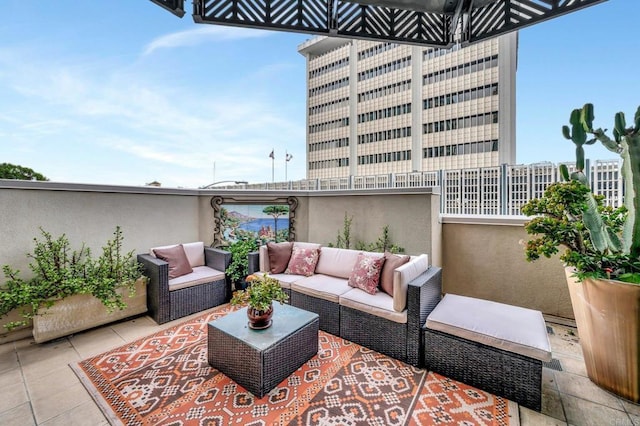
(176, 258)
(200, 275)
(195, 253)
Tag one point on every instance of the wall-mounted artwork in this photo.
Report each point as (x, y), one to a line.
(264, 219)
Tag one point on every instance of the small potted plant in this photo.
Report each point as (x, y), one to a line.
(259, 296)
(602, 253)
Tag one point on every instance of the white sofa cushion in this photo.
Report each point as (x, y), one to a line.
(306, 245)
(403, 275)
(285, 280)
(194, 252)
(336, 262)
(200, 275)
(379, 304)
(502, 326)
(322, 286)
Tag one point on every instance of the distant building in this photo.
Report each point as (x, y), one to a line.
(375, 108)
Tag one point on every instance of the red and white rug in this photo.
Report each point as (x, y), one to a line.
(164, 379)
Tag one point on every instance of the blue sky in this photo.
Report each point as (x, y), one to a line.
(122, 92)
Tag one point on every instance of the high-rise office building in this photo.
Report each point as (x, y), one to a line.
(375, 108)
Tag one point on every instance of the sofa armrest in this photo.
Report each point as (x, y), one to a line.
(157, 271)
(254, 262)
(424, 293)
(217, 259)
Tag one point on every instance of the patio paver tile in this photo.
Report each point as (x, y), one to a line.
(18, 416)
(40, 360)
(54, 404)
(581, 412)
(96, 341)
(630, 407)
(85, 414)
(135, 328)
(13, 396)
(572, 364)
(582, 387)
(8, 358)
(533, 418)
(552, 405)
(548, 380)
(11, 377)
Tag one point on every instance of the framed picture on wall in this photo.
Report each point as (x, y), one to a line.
(261, 219)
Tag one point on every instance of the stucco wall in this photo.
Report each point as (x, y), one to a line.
(478, 259)
(147, 220)
(408, 215)
(487, 261)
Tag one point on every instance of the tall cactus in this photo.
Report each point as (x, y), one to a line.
(626, 143)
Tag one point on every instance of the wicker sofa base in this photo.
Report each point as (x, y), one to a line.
(329, 311)
(374, 332)
(197, 298)
(507, 374)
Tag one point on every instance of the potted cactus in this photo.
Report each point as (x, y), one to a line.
(602, 253)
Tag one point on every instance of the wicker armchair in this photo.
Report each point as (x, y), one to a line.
(166, 304)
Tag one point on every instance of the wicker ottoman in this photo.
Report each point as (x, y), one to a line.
(495, 347)
(260, 359)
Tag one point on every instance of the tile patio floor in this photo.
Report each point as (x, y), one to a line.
(38, 387)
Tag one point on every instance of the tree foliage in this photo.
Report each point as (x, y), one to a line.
(12, 171)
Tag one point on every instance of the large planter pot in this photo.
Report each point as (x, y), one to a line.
(608, 318)
(83, 311)
(17, 333)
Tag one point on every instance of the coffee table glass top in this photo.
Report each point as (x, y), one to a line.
(286, 319)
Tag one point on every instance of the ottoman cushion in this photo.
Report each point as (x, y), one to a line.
(507, 327)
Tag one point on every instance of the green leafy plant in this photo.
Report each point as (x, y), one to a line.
(382, 244)
(60, 272)
(600, 242)
(238, 268)
(260, 293)
(343, 240)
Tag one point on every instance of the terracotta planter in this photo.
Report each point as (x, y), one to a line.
(84, 311)
(608, 318)
(259, 320)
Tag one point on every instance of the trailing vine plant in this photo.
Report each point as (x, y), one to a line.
(60, 272)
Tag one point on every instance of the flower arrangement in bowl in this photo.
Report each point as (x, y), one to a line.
(259, 297)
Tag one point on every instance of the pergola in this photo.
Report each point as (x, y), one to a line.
(437, 23)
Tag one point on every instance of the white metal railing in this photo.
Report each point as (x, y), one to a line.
(500, 190)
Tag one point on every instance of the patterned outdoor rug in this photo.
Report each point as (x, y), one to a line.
(164, 379)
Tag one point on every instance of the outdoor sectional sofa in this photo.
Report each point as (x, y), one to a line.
(388, 324)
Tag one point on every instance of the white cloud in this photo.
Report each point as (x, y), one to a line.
(83, 122)
(202, 35)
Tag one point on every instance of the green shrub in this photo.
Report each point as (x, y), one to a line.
(60, 272)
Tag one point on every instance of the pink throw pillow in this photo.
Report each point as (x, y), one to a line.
(386, 276)
(177, 260)
(303, 261)
(366, 273)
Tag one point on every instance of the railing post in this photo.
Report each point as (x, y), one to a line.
(442, 192)
(503, 189)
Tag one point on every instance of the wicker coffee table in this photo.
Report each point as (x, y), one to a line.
(260, 359)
